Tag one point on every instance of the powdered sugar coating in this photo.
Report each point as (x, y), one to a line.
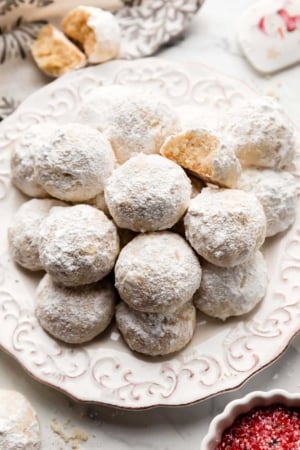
(23, 160)
(225, 226)
(90, 109)
(134, 122)
(75, 315)
(107, 34)
(156, 334)
(232, 291)
(147, 193)
(74, 163)
(23, 233)
(157, 272)
(78, 245)
(277, 192)
(19, 426)
(261, 133)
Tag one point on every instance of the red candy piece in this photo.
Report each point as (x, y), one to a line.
(264, 428)
(291, 22)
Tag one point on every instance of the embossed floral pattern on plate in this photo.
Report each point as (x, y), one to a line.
(221, 356)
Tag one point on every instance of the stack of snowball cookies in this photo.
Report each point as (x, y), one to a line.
(133, 216)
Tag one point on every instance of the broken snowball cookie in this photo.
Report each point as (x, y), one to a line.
(96, 30)
(225, 226)
(261, 133)
(157, 272)
(75, 162)
(78, 245)
(147, 193)
(54, 54)
(277, 192)
(232, 291)
(205, 155)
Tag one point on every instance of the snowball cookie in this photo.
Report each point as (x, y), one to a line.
(134, 122)
(75, 162)
(97, 31)
(78, 245)
(19, 426)
(277, 192)
(261, 133)
(147, 193)
(23, 233)
(225, 226)
(102, 97)
(156, 334)
(75, 315)
(23, 159)
(54, 54)
(232, 291)
(157, 272)
(205, 154)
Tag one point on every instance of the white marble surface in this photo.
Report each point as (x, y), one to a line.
(210, 40)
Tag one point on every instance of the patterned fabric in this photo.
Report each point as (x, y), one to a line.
(146, 25)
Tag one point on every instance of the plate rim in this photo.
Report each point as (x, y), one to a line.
(284, 345)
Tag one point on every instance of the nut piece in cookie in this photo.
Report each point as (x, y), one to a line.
(54, 54)
(97, 31)
(156, 334)
(205, 155)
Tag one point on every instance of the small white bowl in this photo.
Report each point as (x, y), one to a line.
(242, 406)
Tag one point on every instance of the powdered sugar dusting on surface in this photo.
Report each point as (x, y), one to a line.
(134, 122)
(225, 226)
(156, 334)
(23, 233)
(78, 245)
(157, 272)
(107, 34)
(75, 315)
(277, 192)
(261, 133)
(233, 291)
(148, 193)
(19, 427)
(74, 163)
(23, 159)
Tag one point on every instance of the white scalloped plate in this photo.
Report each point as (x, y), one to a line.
(221, 356)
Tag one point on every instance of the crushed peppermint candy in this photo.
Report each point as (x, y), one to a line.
(264, 428)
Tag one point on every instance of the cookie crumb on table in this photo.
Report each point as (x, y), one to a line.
(75, 437)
